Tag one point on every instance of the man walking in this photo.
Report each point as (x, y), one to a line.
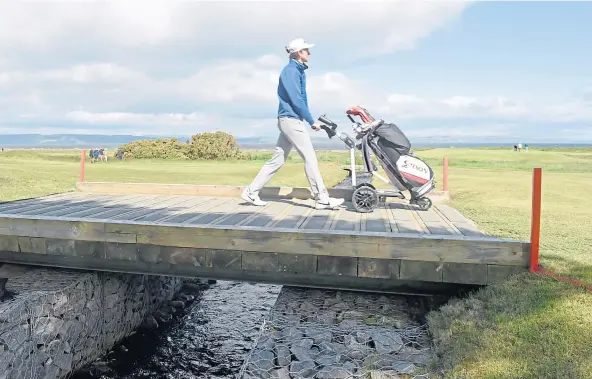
(293, 112)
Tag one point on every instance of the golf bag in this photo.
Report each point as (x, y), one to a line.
(388, 143)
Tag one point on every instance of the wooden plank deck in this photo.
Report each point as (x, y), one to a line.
(216, 235)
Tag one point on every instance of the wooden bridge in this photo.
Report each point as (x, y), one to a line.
(209, 232)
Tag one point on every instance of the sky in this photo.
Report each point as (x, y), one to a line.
(443, 71)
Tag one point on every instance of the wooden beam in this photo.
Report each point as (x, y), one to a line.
(430, 248)
(312, 271)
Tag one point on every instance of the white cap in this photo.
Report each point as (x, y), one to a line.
(297, 45)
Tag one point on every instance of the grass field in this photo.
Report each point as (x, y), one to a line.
(527, 327)
(26, 173)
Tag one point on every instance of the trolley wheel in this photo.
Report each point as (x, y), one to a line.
(365, 199)
(364, 184)
(424, 203)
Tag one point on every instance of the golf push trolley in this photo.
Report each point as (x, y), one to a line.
(388, 143)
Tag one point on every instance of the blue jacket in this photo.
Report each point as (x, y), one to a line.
(292, 92)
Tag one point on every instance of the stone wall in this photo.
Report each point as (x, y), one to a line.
(53, 322)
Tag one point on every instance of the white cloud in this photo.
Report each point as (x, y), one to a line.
(334, 91)
(483, 131)
(142, 119)
(132, 27)
(179, 67)
(580, 134)
(239, 95)
(82, 74)
(246, 80)
(574, 110)
(411, 106)
(99, 93)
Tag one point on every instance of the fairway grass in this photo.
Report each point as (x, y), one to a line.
(25, 174)
(526, 327)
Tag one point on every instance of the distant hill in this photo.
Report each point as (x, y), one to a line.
(69, 141)
(88, 141)
(66, 140)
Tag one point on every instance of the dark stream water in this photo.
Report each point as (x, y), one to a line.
(210, 338)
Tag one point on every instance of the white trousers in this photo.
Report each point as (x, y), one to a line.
(293, 134)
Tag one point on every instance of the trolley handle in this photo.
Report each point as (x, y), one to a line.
(330, 129)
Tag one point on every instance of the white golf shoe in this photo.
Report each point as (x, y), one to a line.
(252, 198)
(330, 203)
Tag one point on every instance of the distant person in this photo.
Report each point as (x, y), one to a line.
(102, 155)
(293, 112)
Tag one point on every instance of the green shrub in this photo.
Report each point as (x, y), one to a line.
(161, 148)
(206, 146)
(213, 146)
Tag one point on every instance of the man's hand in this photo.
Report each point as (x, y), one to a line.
(316, 126)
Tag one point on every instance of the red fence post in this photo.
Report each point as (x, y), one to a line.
(535, 229)
(535, 235)
(82, 164)
(445, 174)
